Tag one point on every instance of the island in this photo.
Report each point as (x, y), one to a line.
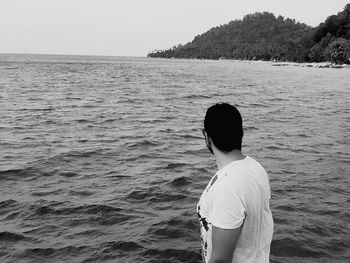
(264, 36)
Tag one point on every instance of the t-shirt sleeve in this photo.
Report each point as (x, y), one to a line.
(226, 210)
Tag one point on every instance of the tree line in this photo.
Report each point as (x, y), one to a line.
(263, 36)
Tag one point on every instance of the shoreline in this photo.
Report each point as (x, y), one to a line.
(311, 65)
(295, 64)
(325, 64)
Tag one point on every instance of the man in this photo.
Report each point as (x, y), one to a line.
(234, 213)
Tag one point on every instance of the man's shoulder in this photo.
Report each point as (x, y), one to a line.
(251, 165)
(247, 165)
(242, 175)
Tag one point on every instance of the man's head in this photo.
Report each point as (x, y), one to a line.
(223, 124)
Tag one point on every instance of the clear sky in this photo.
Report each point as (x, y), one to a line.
(132, 27)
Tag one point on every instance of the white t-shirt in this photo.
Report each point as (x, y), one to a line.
(238, 195)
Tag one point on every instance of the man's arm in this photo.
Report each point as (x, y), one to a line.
(223, 244)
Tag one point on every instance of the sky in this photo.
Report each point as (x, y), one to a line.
(132, 27)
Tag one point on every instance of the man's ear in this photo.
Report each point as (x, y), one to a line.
(207, 139)
(209, 143)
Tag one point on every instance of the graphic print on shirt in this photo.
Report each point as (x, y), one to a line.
(204, 224)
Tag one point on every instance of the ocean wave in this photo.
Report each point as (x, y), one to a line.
(49, 192)
(48, 252)
(8, 203)
(64, 158)
(19, 174)
(110, 251)
(107, 121)
(142, 143)
(280, 220)
(13, 237)
(275, 147)
(289, 247)
(170, 166)
(196, 96)
(173, 255)
(167, 233)
(258, 105)
(180, 222)
(81, 192)
(126, 246)
(73, 98)
(68, 174)
(191, 136)
(180, 181)
(250, 128)
(154, 196)
(93, 215)
(84, 121)
(84, 209)
(166, 197)
(285, 208)
(139, 195)
(153, 120)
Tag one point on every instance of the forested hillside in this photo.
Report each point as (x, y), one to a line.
(263, 36)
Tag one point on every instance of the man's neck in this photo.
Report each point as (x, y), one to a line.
(223, 159)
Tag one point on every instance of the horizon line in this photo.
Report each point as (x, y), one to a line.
(60, 54)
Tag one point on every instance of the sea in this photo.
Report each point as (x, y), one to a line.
(102, 159)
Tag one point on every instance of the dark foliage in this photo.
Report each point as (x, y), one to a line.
(262, 36)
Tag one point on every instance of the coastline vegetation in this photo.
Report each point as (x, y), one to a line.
(263, 36)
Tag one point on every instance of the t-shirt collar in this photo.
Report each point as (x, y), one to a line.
(220, 173)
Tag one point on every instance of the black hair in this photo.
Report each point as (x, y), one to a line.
(223, 124)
